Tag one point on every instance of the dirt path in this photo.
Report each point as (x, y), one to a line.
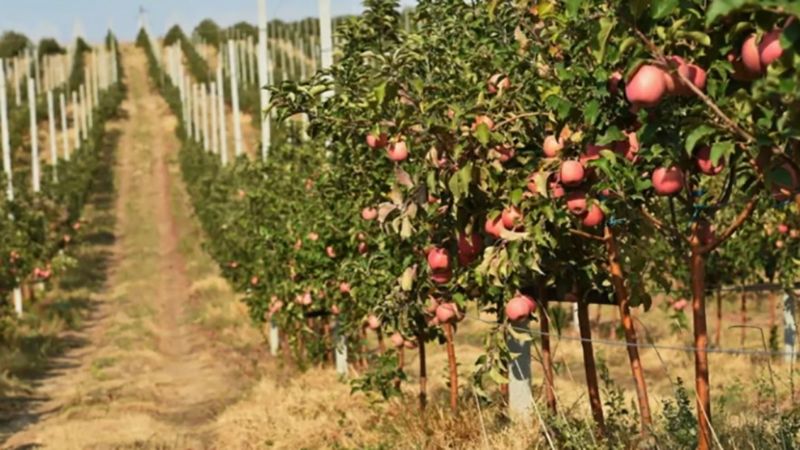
(155, 373)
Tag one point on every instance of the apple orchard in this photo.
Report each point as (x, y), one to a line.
(499, 158)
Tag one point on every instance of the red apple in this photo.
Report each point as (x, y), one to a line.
(512, 218)
(335, 310)
(494, 227)
(482, 119)
(313, 236)
(363, 248)
(441, 276)
(369, 213)
(572, 173)
(750, 55)
(702, 157)
(556, 189)
(594, 216)
(783, 228)
(680, 304)
(505, 152)
(438, 258)
(770, 48)
(397, 340)
(576, 202)
(592, 153)
(613, 82)
(646, 87)
(376, 142)
(552, 146)
(469, 247)
(667, 180)
(518, 308)
(397, 151)
(628, 147)
(344, 287)
(498, 82)
(447, 313)
(330, 252)
(373, 322)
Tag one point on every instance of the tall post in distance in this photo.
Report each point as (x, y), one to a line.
(263, 77)
(35, 167)
(51, 122)
(237, 124)
(223, 134)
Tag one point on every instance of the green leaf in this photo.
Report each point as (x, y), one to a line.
(722, 8)
(590, 112)
(573, 6)
(697, 36)
(482, 133)
(606, 26)
(662, 8)
(380, 92)
(612, 134)
(696, 135)
(720, 150)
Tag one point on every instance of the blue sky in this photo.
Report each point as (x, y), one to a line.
(59, 18)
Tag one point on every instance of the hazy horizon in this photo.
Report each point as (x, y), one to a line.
(91, 18)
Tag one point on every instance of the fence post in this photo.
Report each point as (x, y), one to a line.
(223, 117)
(62, 103)
(520, 396)
(5, 135)
(237, 125)
(35, 174)
(263, 77)
(274, 338)
(341, 349)
(51, 122)
(789, 326)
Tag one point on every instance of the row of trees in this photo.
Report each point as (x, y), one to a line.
(500, 154)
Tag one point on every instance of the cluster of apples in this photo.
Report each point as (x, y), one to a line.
(399, 341)
(755, 56)
(396, 150)
(443, 312)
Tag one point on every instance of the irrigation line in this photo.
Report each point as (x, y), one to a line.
(608, 342)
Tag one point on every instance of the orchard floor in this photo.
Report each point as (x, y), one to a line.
(168, 359)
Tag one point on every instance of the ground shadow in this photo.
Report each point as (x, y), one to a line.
(37, 356)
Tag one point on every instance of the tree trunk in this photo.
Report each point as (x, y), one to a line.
(381, 345)
(617, 279)
(589, 366)
(547, 357)
(451, 360)
(401, 359)
(330, 345)
(698, 269)
(743, 315)
(423, 373)
(718, 332)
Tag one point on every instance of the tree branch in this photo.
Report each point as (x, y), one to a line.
(737, 222)
(586, 235)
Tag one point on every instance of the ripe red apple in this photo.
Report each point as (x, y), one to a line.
(628, 147)
(594, 216)
(430, 308)
(397, 151)
(512, 218)
(375, 142)
(469, 247)
(361, 236)
(576, 202)
(556, 189)
(694, 73)
(518, 308)
(335, 310)
(369, 213)
(794, 234)
(783, 228)
(750, 55)
(438, 258)
(667, 180)
(373, 322)
(447, 313)
(344, 287)
(572, 173)
(494, 227)
(646, 87)
(505, 152)
(441, 276)
(770, 48)
(498, 82)
(779, 244)
(254, 281)
(702, 157)
(363, 248)
(680, 304)
(330, 252)
(313, 236)
(397, 340)
(483, 119)
(592, 153)
(552, 146)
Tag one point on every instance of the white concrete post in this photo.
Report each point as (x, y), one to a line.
(196, 112)
(237, 124)
(214, 121)
(223, 134)
(263, 77)
(274, 338)
(251, 61)
(326, 38)
(76, 119)
(84, 112)
(520, 396)
(204, 102)
(789, 327)
(5, 136)
(51, 122)
(35, 168)
(340, 341)
(62, 102)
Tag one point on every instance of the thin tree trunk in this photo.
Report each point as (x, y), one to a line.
(617, 279)
(718, 332)
(330, 345)
(698, 269)
(423, 373)
(589, 366)
(400, 363)
(381, 345)
(547, 356)
(451, 360)
(743, 315)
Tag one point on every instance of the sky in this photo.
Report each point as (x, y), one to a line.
(91, 18)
